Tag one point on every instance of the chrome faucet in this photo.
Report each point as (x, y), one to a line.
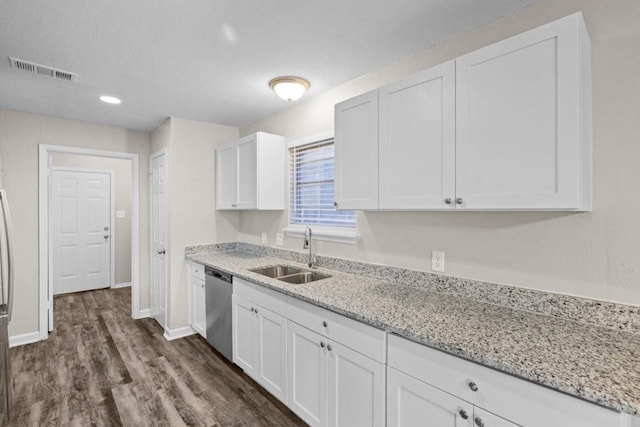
(307, 245)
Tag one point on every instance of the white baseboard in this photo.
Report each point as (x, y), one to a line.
(28, 338)
(174, 334)
(121, 285)
(146, 312)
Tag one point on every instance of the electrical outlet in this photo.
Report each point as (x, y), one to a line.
(280, 239)
(264, 238)
(120, 214)
(437, 261)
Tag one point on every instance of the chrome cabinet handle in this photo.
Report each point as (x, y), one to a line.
(335, 204)
(459, 200)
(472, 386)
(448, 200)
(325, 324)
(161, 251)
(463, 414)
(106, 236)
(322, 344)
(329, 347)
(478, 421)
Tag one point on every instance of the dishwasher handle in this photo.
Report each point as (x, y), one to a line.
(217, 274)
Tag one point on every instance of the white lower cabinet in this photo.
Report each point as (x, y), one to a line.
(417, 373)
(332, 385)
(260, 344)
(197, 315)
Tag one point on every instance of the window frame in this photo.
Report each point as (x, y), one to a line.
(320, 232)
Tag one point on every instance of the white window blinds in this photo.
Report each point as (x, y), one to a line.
(311, 179)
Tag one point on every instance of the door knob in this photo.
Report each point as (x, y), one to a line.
(161, 251)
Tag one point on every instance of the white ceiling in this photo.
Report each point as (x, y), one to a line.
(210, 60)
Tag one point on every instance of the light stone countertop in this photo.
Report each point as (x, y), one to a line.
(594, 363)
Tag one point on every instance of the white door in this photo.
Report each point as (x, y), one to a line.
(244, 335)
(80, 230)
(412, 403)
(272, 336)
(356, 152)
(248, 172)
(417, 141)
(158, 235)
(199, 307)
(356, 389)
(518, 121)
(307, 376)
(227, 177)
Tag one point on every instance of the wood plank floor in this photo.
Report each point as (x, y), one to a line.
(102, 368)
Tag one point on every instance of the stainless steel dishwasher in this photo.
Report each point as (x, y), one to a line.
(218, 292)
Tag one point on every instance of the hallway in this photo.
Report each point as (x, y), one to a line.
(100, 367)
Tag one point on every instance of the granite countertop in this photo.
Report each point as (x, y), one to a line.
(594, 363)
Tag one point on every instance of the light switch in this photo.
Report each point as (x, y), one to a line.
(264, 238)
(120, 214)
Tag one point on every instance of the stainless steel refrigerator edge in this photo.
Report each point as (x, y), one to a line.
(218, 292)
(6, 305)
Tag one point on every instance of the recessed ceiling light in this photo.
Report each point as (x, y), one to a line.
(289, 88)
(110, 99)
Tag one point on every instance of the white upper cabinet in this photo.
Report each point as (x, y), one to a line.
(523, 121)
(417, 141)
(507, 127)
(250, 173)
(356, 152)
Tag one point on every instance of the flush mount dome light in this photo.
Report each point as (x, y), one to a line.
(110, 99)
(289, 88)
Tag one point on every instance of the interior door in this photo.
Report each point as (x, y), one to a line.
(158, 235)
(80, 230)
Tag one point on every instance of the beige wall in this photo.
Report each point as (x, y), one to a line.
(20, 134)
(122, 194)
(193, 219)
(595, 254)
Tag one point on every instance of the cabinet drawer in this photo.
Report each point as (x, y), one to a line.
(521, 401)
(197, 271)
(267, 298)
(363, 338)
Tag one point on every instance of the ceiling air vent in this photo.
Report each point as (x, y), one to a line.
(43, 70)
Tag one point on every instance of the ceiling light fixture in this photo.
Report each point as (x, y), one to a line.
(110, 99)
(289, 88)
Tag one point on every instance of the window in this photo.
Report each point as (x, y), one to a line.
(311, 197)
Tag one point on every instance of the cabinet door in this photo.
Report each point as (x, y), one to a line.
(244, 336)
(307, 376)
(487, 419)
(272, 337)
(247, 173)
(198, 306)
(412, 403)
(417, 141)
(356, 388)
(356, 152)
(519, 121)
(226, 178)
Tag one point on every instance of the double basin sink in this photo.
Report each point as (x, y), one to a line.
(290, 274)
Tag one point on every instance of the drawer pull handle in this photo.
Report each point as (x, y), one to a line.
(325, 324)
(473, 386)
(329, 347)
(479, 422)
(463, 414)
(322, 344)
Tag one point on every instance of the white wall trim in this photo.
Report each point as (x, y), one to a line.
(174, 334)
(23, 339)
(121, 285)
(144, 313)
(44, 152)
(311, 138)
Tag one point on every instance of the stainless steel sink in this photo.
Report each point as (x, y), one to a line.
(306, 277)
(277, 271)
(290, 274)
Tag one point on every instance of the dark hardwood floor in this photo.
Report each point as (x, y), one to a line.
(99, 367)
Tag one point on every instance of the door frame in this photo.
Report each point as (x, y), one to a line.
(112, 221)
(162, 152)
(44, 302)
